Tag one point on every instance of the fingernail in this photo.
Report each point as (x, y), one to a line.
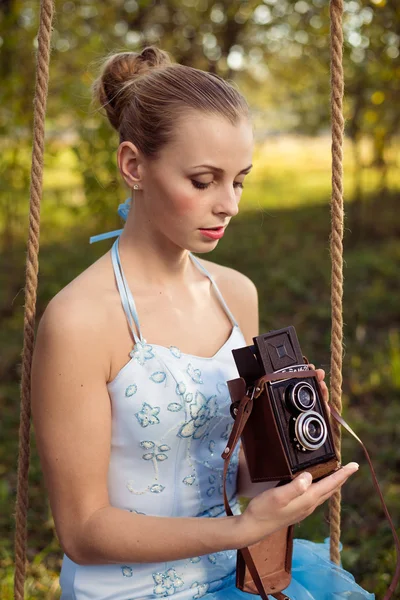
(353, 465)
(306, 478)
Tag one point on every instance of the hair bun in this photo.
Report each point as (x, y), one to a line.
(120, 69)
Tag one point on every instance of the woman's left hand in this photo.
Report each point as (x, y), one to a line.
(324, 388)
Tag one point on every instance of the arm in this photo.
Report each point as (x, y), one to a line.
(72, 420)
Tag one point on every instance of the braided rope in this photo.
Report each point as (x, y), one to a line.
(32, 267)
(336, 247)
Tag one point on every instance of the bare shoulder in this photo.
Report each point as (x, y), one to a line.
(78, 312)
(233, 282)
(240, 293)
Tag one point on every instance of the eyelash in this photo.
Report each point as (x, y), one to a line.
(204, 186)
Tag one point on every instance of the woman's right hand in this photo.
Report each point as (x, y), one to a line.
(288, 504)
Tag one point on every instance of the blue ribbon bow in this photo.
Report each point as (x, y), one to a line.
(123, 210)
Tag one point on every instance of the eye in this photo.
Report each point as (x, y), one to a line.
(203, 186)
(199, 185)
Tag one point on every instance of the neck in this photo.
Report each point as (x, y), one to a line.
(152, 259)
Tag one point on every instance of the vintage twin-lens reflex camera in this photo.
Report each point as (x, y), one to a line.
(288, 430)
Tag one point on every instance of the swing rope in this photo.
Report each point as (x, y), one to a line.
(336, 248)
(32, 268)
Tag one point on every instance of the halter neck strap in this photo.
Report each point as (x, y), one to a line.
(128, 302)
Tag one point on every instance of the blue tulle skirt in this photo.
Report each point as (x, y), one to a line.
(314, 577)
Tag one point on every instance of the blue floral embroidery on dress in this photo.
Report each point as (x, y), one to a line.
(147, 415)
(214, 511)
(189, 479)
(142, 352)
(211, 479)
(189, 397)
(148, 456)
(175, 351)
(174, 406)
(160, 455)
(126, 571)
(227, 431)
(164, 448)
(158, 377)
(131, 390)
(210, 491)
(195, 559)
(157, 488)
(202, 589)
(147, 444)
(180, 388)
(212, 558)
(202, 410)
(166, 583)
(211, 446)
(233, 466)
(195, 374)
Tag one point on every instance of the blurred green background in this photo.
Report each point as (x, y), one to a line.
(277, 53)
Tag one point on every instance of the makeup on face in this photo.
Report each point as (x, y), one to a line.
(213, 169)
(214, 234)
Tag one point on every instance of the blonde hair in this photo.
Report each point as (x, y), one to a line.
(144, 94)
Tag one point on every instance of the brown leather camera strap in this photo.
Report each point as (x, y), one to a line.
(243, 412)
(396, 575)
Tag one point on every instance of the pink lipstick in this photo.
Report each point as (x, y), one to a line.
(214, 234)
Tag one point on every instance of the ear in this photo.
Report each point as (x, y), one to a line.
(129, 163)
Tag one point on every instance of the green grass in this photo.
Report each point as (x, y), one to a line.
(280, 240)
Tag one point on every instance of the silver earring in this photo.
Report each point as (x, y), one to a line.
(136, 187)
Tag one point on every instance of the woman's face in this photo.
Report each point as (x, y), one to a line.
(180, 198)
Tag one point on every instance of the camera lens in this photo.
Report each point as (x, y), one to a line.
(302, 396)
(314, 430)
(311, 430)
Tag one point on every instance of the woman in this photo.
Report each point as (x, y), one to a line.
(129, 394)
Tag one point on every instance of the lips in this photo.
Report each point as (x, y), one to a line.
(214, 233)
(213, 228)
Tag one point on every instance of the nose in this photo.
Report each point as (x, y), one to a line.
(227, 202)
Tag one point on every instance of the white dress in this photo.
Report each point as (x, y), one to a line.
(170, 425)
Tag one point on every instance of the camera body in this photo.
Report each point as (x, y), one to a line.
(288, 430)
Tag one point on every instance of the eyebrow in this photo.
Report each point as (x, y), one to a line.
(219, 169)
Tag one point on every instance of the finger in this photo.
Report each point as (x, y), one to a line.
(321, 372)
(325, 391)
(290, 491)
(320, 378)
(327, 496)
(318, 501)
(328, 485)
